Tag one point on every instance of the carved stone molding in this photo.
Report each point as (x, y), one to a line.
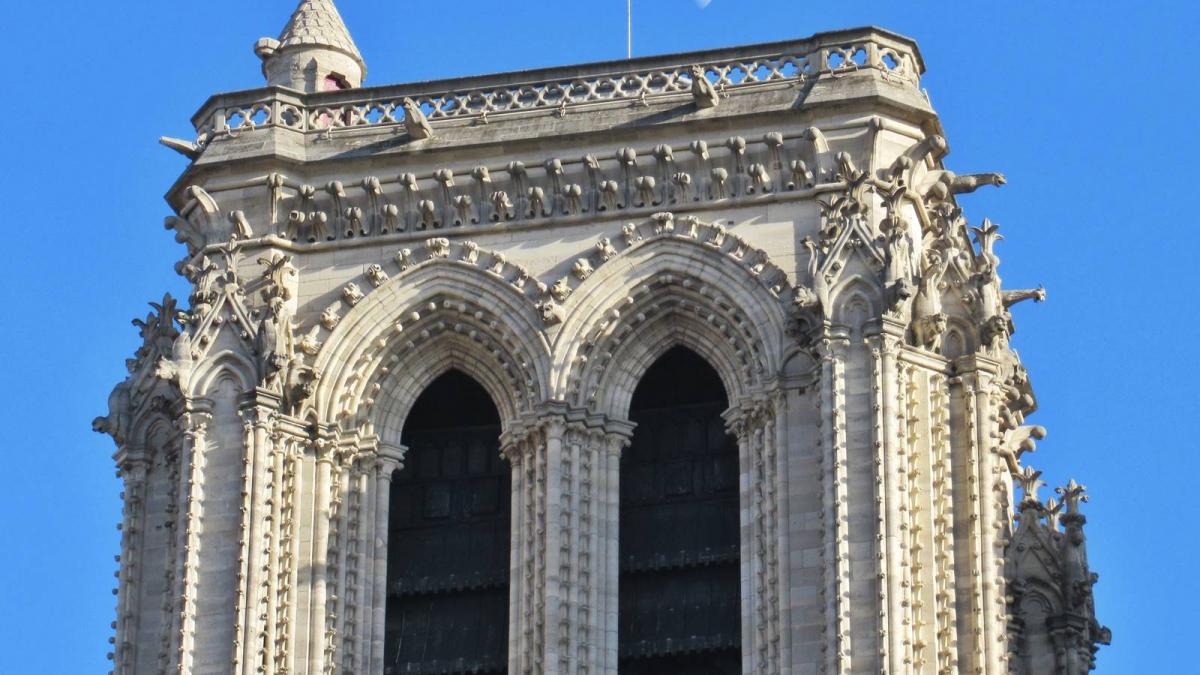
(565, 493)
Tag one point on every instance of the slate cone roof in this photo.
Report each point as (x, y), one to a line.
(318, 23)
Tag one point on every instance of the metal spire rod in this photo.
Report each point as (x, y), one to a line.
(629, 29)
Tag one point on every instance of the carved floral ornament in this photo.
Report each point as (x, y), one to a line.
(777, 165)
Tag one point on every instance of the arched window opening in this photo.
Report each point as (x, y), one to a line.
(679, 605)
(448, 537)
(334, 82)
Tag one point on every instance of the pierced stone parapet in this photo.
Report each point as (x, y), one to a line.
(558, 91)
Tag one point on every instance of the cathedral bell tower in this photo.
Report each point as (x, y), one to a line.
(680, 365)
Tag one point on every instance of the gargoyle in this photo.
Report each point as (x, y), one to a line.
(704, 94)
(186, 148)
(939, 185)
(116, 423)
(414, 120)
(1011, 298)
(973, 181)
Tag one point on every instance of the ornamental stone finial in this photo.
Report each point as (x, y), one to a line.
(1072, 494)
(1030, 481)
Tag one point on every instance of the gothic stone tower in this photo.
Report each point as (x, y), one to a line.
(683, 364)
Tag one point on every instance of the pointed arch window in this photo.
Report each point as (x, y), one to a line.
(448, 537)
(679, 587)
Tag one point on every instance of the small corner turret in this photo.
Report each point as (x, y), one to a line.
(314, 53)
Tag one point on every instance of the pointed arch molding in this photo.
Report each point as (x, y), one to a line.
(434, 316)
(705, 290)
(454, 305)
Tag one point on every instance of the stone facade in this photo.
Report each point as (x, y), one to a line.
(783, 210)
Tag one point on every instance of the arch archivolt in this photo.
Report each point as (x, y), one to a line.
(692, 285)
(229, 363)
(662, 282)
(435, 316)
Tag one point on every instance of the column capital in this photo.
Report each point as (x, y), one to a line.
(750, 410)
(833, 343)
(557, 417)
(389, 457)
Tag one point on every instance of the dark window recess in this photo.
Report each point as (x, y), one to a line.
(448, 537)
(334, 82)
(679, 590)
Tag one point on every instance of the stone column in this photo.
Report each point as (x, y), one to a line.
(985, 527)
(320, 554)
(832, 349)
(563, 574)
(388, 460)
(294, 451)
(194, 423)
(134, 466)
(352, 455)
(258, 414)
(889, 456)
(764, 539)
(993, 523)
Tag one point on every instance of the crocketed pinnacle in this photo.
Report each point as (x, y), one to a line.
(317, 23)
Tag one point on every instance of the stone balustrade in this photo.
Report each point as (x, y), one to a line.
(557, 90)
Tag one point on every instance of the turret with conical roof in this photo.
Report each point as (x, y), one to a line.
(314, 53)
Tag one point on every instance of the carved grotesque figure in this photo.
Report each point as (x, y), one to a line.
(274, 343)
(929, 323)
(116, 423)
(704, 94)
(561, 290)
(414, 120)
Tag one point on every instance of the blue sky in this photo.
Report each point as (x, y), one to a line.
(1086, 107)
